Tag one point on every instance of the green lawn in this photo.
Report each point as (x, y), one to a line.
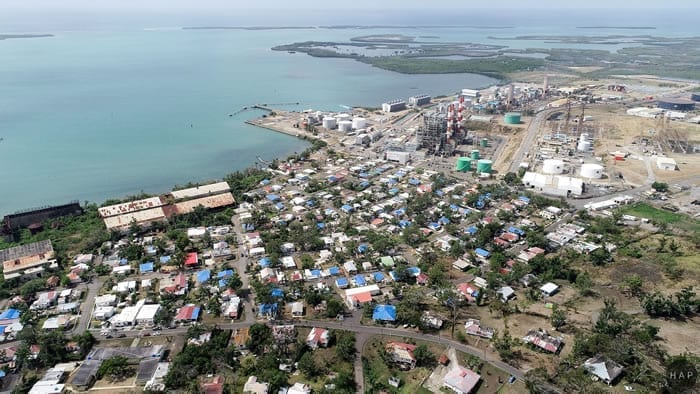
(650, 212)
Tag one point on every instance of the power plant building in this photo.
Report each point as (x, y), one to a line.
(420, 100)
(26, 259)
(394, 106)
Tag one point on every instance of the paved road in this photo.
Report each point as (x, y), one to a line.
(240, 266)
(86, 312)
(529, 139)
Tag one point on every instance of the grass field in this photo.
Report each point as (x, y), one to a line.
(680, 221)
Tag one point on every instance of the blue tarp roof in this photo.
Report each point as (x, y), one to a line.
(346, 208)
(341, 281)
(360, 280)
(471, 230)
(164, 259)
(332, 178)
(364, 184)
(329, 211)
(414, 182)
(334, 271)
(272, 197)
(2, 330)
(378, 277)
(404, 223)
(225, 273)
(146, 267)
(440, 193)
(362, 248)
(524, 199)
(515, 230)
(123, 262)
(384, 313)
(266, 309)
(311, 203)
(454, 207)
(265, 182)
(279, 205)
(277, 292)
(316, 273)
(400, 212)
(434, 226)
(363, 175)
(414, 271)
(9, 314)
(223, 282)
(264, 262)
(444, 220)
(482, 252)
(320, 226)
(203, 276)
(400, 174)
(2, 373)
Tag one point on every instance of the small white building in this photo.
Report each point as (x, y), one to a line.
(549, 289)
(666, 163)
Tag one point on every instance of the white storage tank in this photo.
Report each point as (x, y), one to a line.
(345, 126)
(342, 117)
(592, 170)
(329, 123)
(359, 123)
(553, 166)
(583, 146)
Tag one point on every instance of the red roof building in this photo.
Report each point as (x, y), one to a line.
(192, 260)
(216, 386)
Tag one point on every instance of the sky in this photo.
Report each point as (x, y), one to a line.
(194, 5)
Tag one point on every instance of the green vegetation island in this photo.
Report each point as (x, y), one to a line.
(676, 57)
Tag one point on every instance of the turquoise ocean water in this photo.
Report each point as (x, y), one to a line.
(110, 110)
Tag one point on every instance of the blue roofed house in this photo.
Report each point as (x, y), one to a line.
(346, 208)
(384, 313)
(342, 283)
(360, 280)
(146, 267)
(378, 277)
(164, 259)
(277, 293)
(272, 197)
(444, 220)
(279, 206)
(515, 230)
(203, 276)
(471, 230)
(264, 262)
(335, 271)
(363, 248)
(481, 253)
(268, 310)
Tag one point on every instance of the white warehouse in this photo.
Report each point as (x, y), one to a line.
(556, 185)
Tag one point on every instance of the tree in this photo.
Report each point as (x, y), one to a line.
(511, 179)
(334, 307)
(308, 366)
(504, 345)
(600, 256)
(214, 306)
(260, 337)
(234, 282)
(345, 345)
(632, 285)
(584, 284)
(115, 369)
(424, 357)
(85, 340)
(660, 187)
(558, 318)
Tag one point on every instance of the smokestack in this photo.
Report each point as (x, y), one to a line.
(511, 91)
(545, 88)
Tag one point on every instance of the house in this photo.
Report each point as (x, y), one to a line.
(178, 285)
(384, 313)
(215, 386)
(45, 300)
(360, 295)
(106, 300)
(146, 267)
(461, 380)
(604, 368)
(473, 327)
(402, 354)
(299, 388)
(298, 309)
(506, 293)
(318, 337)
(232, 307)
(147, 314)
(252, 386)
(549, 289)
(430, 321)
(191, 260)
(528, 279)
(188, 313)
(541, 339)
(461, 265)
